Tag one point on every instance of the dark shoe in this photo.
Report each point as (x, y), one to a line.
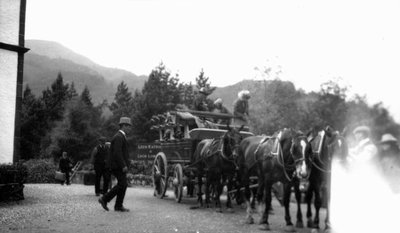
(103, 203)
(97, 194)
(122, 209)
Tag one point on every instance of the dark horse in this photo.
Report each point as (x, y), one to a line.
(215, 158)
(327, 144)
(285, 156)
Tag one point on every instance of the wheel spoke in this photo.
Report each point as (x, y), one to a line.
(157, 169)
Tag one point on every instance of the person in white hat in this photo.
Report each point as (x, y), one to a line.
(389, 146)
(241, 108)
(118, 162)
(365, 150)
(390, 160)
(200, 101)
(220, 108)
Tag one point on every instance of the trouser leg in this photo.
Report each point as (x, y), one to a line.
(98, 173)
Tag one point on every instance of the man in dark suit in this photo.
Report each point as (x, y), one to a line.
(118, 163)
(98, 159)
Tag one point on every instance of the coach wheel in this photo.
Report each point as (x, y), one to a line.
(160, 175)
(178, 182)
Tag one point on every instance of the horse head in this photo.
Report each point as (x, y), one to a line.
(327, 144)
(300, 151)
(231, 141)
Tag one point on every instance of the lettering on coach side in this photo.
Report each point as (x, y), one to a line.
(147, 151)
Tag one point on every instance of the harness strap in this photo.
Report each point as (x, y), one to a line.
(279, 156)
(319, 168)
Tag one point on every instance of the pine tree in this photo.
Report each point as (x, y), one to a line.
(187, 94)
(72, 91)
(161, 93)
(203, 81)
(55, 98)
(33, 124)
(86, 98)
(122, 104)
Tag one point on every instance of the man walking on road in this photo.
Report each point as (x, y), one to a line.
(118, 163)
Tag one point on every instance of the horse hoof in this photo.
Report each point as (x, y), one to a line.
(290, 228)
(194, 207)
(264, 227)
(249, 220)
(299, 224)
(218, 210)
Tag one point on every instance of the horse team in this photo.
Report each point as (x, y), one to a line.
(288, 156)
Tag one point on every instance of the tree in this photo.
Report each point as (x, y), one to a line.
(160, 93)
(330, 106)
(276, 108)
(33, 125)
(187, 94)
(55, 98)
(203, 81)
(122, 105)
(86, 98)
(77, 133)
(72, 91)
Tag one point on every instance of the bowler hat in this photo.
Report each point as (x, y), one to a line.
(388, 138)
(102, 139)
(362, 128)
(125, 120)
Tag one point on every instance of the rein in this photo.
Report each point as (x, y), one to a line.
(281, 161)
(318, 153)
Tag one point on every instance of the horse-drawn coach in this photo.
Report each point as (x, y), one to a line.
(180, 132)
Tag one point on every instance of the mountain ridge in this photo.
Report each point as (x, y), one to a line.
(48, 58)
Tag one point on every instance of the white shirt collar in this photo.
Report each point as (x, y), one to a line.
(363, 142)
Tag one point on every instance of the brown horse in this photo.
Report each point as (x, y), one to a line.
(215, 158)
(327, 144)
(284, 157)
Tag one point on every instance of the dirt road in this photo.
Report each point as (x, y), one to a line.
(56, 208)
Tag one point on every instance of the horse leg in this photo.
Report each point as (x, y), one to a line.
(229, 185)
(247, 194)
(299, 222)
(207, 188)
(309, 195)
(219, 185)
(328, 204)
(200, 186)
(258, 195)
(267, 200)
(317, 204)
(286, 202)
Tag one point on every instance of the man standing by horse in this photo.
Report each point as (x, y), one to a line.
(365, 150)
(118, 163)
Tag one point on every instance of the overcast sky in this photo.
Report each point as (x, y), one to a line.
(310, 42)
